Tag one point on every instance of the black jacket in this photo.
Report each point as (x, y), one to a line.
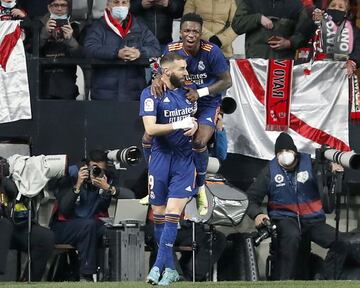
(159, 19)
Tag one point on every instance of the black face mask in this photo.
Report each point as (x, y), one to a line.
(336, 15)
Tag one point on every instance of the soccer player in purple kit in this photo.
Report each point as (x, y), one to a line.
(168, 119)
(209, 70)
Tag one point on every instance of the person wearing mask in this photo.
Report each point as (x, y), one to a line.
(295, 207)
(340, 40)
(58, 39)
(119, 35)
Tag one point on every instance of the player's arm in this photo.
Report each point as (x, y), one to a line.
(154, 129)
(222, 84)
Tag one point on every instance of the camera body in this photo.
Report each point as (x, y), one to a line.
(266, 230)
(61, 22)
(96, 171)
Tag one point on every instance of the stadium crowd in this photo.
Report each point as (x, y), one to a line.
(190, 76)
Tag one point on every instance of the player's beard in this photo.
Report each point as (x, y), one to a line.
(175, 81)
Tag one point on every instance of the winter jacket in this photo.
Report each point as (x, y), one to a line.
(159, 19)
(217, 16)
(120, 82)
(290, 21)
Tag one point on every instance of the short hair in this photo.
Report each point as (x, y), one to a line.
(97, 155)
(193, 17)
(170, 58)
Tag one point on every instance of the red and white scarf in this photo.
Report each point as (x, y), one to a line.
(116, 26)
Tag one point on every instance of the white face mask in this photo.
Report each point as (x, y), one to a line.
(8, 5)
(55, 17)
(286, 158)
(120, 12)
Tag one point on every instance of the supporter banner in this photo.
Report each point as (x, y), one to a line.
(14, 86)
(278, 93)
(319, 108)
(355, 98)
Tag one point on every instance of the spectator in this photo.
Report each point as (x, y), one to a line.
(9, 10)
(340, 39)
(83, 197)
(158, 16)
(119, 35)
(217, 16)
(295, 207)
(58, 40)
(273, 29)
(14, 230)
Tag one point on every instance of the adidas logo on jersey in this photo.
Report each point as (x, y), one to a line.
(166, 100)
(189, 189)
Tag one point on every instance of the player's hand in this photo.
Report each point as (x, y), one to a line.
(68, 31)
(186, 123)
(192, 131)
(279, 44)
(83, 174)
(50, 25)
(259, 219)
(18, 13)
(266, 22)
(157, 86)
(192, 95)
(100, 182)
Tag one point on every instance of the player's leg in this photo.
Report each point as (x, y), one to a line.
(206, 119)
(159, 166)
(181, 189)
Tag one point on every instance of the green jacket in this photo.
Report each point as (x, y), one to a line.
(289, 18)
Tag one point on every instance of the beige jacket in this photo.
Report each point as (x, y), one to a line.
(217, 16)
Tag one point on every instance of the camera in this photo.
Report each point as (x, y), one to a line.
(61, 22)
(96, 171)
(346, 159)
(128, 156)
(266, 230)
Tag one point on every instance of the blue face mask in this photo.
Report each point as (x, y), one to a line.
(120, 12)
(56, 17)
(8, 5)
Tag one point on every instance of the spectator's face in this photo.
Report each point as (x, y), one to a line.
(190, 33)
(118, 3)
(178, 73)
(58, 7)
(340, 5)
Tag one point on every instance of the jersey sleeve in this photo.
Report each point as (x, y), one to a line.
(148, 103)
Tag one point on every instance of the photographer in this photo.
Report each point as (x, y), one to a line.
(295, 207)
(58, 39)
(9, 10)
(83, 197)
(14, 230)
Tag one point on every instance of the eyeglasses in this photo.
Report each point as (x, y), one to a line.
(55, 5)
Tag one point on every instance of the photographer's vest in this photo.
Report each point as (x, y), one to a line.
(294, 194)
(337, 41)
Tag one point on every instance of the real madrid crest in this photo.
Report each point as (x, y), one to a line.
(201, 65)
(279, 178)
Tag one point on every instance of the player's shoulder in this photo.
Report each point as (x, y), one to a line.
(174, 46)
(209, 47)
